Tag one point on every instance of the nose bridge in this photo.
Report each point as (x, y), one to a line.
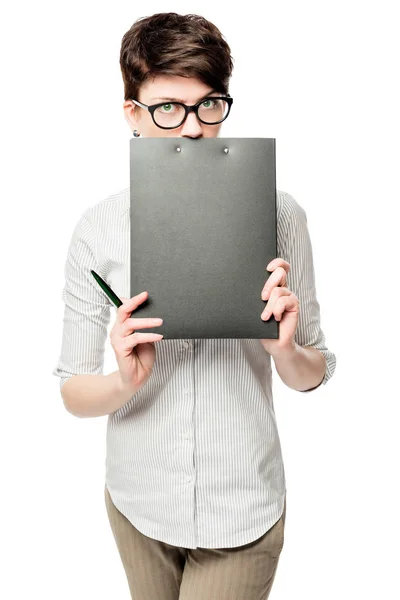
(191, 120)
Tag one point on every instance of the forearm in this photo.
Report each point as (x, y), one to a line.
(95, 395)
(300, 367)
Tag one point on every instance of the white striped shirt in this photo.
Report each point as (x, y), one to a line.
(193, 459)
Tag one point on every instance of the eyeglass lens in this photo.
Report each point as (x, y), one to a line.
(211, 110)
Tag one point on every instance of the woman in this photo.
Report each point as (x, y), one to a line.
(195, 487)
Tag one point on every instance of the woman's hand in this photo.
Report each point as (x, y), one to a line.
(283, 304)
(135, 352)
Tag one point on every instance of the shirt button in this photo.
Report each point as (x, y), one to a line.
(186, 344)
(186, 435)
(188, 478)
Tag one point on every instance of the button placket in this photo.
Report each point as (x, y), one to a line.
(187, 435)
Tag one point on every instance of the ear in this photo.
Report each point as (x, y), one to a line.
(130, 114)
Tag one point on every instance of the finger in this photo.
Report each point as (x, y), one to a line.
(131, 341)
(276, 293)
(283, 303)
(278, 262)
(128, 305)
(130, 325)
(126, 345)
(277, 278)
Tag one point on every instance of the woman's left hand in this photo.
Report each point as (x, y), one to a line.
(283, 304)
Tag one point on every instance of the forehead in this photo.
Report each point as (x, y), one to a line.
(181, 89)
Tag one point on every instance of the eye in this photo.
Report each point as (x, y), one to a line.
(209, 100)
(169, 106)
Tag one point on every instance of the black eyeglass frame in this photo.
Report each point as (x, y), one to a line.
(187, 108)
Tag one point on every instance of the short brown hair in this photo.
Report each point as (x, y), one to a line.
(173, 44)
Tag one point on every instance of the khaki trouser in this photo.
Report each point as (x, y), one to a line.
(158, 571)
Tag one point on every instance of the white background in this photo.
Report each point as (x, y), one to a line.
(323, 75)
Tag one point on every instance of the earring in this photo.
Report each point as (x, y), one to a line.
(135, 133)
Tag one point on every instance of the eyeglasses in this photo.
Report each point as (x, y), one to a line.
(210, 111)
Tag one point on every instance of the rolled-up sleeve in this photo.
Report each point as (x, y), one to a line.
(86, 310)
(297, 251)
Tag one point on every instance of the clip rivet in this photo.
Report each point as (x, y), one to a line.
(226, 150)
(178, 149)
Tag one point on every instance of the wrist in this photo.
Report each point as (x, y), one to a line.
(287, 351)
(122, 388)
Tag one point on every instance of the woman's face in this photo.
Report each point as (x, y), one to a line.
(188, 90)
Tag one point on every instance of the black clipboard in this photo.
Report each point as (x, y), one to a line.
(203, 228)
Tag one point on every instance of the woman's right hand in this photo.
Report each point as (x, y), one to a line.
(135, 352)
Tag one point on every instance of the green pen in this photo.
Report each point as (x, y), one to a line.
(106, 288)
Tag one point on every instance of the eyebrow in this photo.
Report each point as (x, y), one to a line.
(180, 99)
